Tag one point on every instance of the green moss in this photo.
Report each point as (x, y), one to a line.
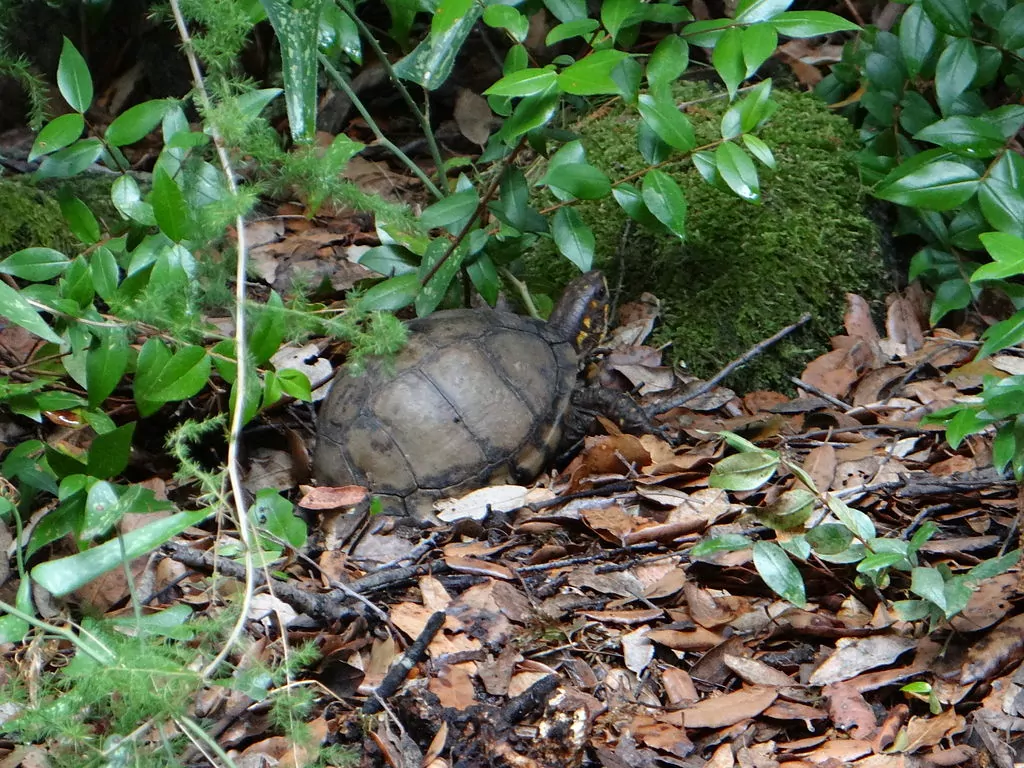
(29, 217)
(745, 271)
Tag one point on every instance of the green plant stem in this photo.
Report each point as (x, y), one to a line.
(382, 57)
(340, 81)
(524, 293)
(245, 530)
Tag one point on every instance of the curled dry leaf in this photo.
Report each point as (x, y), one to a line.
(327, 497)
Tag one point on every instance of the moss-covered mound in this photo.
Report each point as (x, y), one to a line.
(30, 217)
(744, 271)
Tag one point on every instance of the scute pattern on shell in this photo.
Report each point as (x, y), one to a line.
(475, 397)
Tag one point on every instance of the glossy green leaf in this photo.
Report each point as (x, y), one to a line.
(295, 384)
(567, 10)
(744, 471)
(102, 511)
(71, 160)
(667, 121)
(135, 123)
(450, 210)
(109, 452)
(917, 36)
(940, 185)
(57, 134)
(1001, 194)
(268, 331)
(169, 206)
(580, 180)
(618, 14)
(447, 14)
(669, 60)
(829, 538)
(18, 311)
(759, 149)
(779, 573)
(665, 13)
(958, 64)
(631, 200)
(592, 76)
(73, 78)
(728, 542)
(525, 82)
(1011, 27)
(1007, 251)
(1002, 335)
(951, 295)
(759, 42)
(436, 279)
(973, 136)
(751, 11)
(106, 364)
(163, 377)
(392, 294)
(35, 264)
(738, 171)
(389, 260)
(63, 576)
(573, 237)
(80, 219)
(790, 511)
(665, 200)
(579, 28)
(508, 18)
(810, 23)
(530, 113)
(928, 583)
(728, 59)
(275, 515)
(127, 198)
(951, 16)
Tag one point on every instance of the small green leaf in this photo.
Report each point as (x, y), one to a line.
(859, 523)
(917, 38)
(579, 28)
(728, 542)
(530, 113)
(1001, 194)
(631, 201)
(64, 575)
(951, 295)
(109, 453)
(669, 60)
(17, 310)
(951, 16)
(447, 14)
(667, 121)
(268, 331)
(106, 364)
(1011, 27)
(162, 377)
(135, 123)
(955, 71)
(1002, 335)
(759, 149)
(618, 14)
(940, 185)
(973, 135)
(829, 538)
(665, 200)
(810, 23)
(728, 59)
(759, 42)
(592, 76)
(1008, 253)
(929, 584)
(73, 78)
(80, 219)
(295, 384)
(525, 82)
(779, 573)
(71, 160)
(580, 180)
(450, 210)
(738, 171)
(169, 206)
(508, 18)
(790, 511)
(127, 198)
(573, 237)
(102, 511)
(57, 134)
(35, 264)
(751, 11)
(744, 471)
(392, 294)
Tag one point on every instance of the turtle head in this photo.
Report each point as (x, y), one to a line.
(581, 315)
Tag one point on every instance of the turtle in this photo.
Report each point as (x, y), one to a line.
(476, 397)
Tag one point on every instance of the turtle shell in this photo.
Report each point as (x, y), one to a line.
(474, 398)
